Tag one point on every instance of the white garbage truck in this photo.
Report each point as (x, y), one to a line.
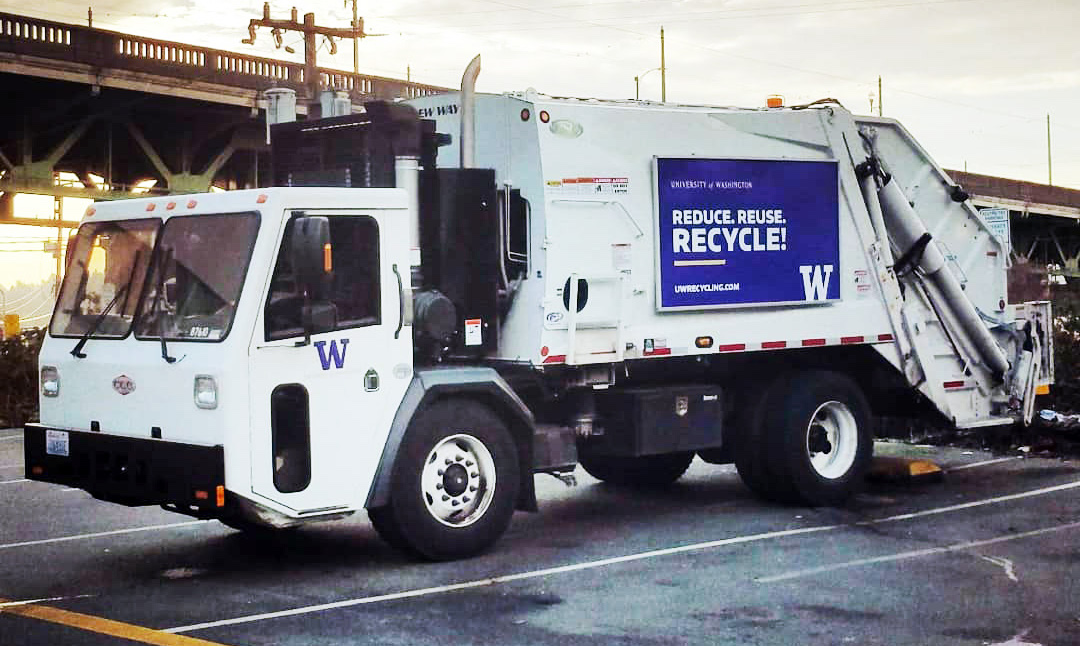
(441, 297)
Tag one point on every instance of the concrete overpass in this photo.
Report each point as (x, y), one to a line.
(1044, 222)
(107, 110)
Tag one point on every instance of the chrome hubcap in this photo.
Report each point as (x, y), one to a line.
(832, 440)
(458, 480)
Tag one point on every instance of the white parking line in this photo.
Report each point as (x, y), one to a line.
(115, 532)
(930, 551)
(4, 482)
(983, 463)
(27, 602)
(736, 540)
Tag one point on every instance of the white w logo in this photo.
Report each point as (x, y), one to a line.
(815, 280)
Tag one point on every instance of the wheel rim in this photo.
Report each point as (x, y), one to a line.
(458, 480)
(832, 440)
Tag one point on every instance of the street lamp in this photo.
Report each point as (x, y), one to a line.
(637, 82)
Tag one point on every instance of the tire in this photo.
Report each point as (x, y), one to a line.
(454, 483)
(644, 471)
(810, 440)
(751, 451)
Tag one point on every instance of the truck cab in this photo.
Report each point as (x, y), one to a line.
(185, 323)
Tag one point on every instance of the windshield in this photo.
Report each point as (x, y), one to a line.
(197, 276)
(107, 266)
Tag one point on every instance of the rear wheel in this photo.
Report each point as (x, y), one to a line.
(643, 471)
(809, 441)
(454, 484)
(751, 452)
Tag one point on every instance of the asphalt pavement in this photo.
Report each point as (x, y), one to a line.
(989, 554)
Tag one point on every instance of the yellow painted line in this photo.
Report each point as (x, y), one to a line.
(100, 625)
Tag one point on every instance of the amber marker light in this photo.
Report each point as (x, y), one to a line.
(220, 495)
(170, 206)
(703, 342)
(261, 199)
(327, 258)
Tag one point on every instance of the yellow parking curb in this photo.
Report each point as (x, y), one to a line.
(897, 469)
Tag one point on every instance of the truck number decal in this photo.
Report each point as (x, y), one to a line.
(334, 356)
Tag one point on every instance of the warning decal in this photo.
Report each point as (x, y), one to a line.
(588, 186)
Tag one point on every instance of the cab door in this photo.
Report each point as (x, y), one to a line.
(322, 399)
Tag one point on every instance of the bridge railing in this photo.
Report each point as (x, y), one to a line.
(27, 36)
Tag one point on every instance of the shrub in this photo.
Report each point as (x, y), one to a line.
(1065, 393)
(19, 378)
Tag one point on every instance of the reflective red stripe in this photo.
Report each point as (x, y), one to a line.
(772, 345)
(556, 358)
(731, 347)
(884, 337)
(811, 342)
(657, 352)
(851, 339)
(954, 384)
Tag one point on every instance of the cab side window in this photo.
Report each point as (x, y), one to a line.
(354, 293)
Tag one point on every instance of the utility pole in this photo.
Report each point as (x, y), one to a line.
(1049, 164)
(663, 69)
(879, 101)
(90, 17)
(357, 28)
(58, 214)
(310, 30)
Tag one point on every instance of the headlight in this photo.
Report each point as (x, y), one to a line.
(205, 392)
(50, 381)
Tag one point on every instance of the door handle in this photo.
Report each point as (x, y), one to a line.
(401, 301)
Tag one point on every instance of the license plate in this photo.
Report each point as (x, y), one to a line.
(57, 443)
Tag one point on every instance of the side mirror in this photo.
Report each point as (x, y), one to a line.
(311, 256)
(171, 293)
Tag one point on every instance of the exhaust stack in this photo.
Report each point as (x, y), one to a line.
(468, 113)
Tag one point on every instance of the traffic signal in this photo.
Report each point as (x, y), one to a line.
(11, 325)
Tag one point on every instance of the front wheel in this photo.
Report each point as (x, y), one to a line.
(454, 484)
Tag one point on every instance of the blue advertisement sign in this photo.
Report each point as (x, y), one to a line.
(747, 231)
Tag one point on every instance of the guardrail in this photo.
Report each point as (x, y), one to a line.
(102, 48)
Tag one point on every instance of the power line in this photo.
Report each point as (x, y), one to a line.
(719, 14)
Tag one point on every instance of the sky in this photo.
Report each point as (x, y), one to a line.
(973, 80)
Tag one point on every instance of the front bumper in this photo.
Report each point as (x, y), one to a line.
(128, 470)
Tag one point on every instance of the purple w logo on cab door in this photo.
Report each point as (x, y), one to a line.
(334, 356)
